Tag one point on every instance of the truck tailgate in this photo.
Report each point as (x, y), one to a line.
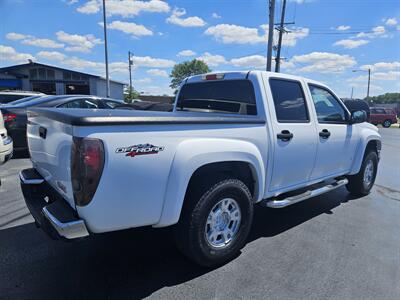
(50, 143)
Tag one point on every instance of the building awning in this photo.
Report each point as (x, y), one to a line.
(11, 83)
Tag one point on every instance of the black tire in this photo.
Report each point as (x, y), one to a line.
(387, 123)
(356, 185)
(190, 232)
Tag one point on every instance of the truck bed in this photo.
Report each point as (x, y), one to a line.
(94, 117)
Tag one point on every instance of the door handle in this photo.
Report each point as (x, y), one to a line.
(285, 135)
(324, 133)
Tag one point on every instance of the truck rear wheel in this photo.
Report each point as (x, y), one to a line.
(215, 224)
(361, 183)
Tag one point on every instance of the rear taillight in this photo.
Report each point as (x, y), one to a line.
(9, 117)
(87, 162)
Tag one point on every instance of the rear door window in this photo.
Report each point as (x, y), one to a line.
(223, 96)
(289, 101)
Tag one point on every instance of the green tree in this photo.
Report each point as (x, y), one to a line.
(386, 98)
(128, 96)
(186, 69)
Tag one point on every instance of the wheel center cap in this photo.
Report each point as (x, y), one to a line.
(221, 221)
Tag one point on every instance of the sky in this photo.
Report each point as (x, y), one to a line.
(329, 40)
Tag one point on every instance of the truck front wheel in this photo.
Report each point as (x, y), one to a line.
(215, 224)
(361, 183)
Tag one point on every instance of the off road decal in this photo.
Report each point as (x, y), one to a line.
(141, 149)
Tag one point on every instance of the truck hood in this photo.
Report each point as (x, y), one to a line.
(369, 126)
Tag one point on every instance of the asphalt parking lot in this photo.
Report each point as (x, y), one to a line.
(329, 247)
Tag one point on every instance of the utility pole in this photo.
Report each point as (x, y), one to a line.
(270, 33)
(105, 49)
(352, 89)
(281, 30)
(369, 82)
(130, 74)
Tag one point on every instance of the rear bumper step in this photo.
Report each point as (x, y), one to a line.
(280, 203)
(50, 211)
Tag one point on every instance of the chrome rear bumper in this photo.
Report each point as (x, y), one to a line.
(50, 211)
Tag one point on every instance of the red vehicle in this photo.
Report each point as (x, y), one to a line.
(383, 116)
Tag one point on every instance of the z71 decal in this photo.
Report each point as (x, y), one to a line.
(141, 149)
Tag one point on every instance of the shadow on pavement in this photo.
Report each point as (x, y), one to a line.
(130, 264)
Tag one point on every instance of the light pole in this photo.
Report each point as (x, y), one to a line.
(369, 79)
(105, 49)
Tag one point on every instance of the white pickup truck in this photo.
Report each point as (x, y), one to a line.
(233, 140)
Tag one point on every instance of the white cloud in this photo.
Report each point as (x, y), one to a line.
(15, 36)
(151, 62)
(78, 43)
(143, 80)
(176, 19)
(50, 55)
(391, 75)
(343, 27)
(130, 28)
(186, 53)
(378, 76)
(215, 15)
(351, 44)
(80, 64)
(234, 34)
(378, 31)
(43, 43)
(252, 61)
(90, 7)
(157, 72)
(382, 66)
(124, 8)
(391, 22)
(70, 2)
(290, 39)
(10, 55)
(33, 41)
(323, 62)
(212, 60)
(301, 1)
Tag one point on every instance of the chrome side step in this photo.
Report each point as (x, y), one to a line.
(280, 203)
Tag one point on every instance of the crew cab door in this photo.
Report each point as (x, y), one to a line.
(337, 139)
(294, 136)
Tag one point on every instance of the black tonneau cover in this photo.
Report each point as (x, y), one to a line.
(96, 117)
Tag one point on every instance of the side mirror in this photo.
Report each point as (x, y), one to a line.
(358, 116)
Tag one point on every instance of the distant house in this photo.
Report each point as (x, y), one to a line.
(53, 80)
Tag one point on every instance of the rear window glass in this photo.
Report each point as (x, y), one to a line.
(225, 96)
(289, 101)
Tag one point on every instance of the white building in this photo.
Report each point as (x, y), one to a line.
(53, 80)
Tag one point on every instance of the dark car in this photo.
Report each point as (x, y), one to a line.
(15, 113)
(354, 105)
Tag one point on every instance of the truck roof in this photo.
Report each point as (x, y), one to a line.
(230, 75)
